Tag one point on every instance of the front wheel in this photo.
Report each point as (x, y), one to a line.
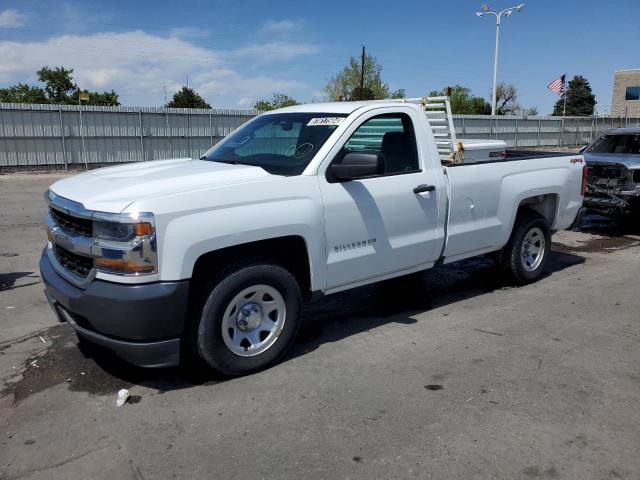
(527, 252)
(249, 318)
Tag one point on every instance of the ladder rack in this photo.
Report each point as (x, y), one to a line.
(440, 118)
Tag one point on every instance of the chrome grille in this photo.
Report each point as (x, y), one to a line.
(73, 262)
(75, 225)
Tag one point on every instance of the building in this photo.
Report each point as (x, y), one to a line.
(626, 94)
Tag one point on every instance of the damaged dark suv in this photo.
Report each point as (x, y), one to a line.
(613, 181)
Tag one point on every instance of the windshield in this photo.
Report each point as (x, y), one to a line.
(628, 143)
(280, 143)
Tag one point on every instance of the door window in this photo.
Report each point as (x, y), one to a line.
(390, 135)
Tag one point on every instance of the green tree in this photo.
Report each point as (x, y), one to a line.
(96, 98)
(346, 84)
(187, 98)
(58, 83)
(59, 88)
(580, 99)
(463, 102)
(23, 93)
(278, 100)
(506, 99)
(364, 93)
(399, 93)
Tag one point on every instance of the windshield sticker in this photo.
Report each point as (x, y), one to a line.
(325, 121)
(303, 150)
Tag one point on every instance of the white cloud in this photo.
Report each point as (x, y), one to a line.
(318, 96)
(274, 51)
(189, 32)
(281, 26)
(246, 102)
(139, 65)
(227, 83)
(11, 18)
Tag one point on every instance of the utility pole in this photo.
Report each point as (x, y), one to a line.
(85, 97)
(362, 73)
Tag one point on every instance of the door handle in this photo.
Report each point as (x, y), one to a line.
(424, 189)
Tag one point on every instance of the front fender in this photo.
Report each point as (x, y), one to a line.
(288, 206)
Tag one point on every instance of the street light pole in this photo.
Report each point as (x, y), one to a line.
(495, 67)
(506, 12)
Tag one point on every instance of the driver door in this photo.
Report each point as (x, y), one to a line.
(378, 226)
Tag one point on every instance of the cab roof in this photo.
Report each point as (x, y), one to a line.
(344, 108)
(624, 131)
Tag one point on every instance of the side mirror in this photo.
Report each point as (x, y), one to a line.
(583, 149)
(358, 165)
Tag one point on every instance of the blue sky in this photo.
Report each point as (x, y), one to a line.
(235, 52)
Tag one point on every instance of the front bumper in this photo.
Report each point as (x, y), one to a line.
(608, 204)
(142, 324)
(577, 222)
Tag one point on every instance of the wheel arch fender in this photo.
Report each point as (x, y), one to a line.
(544, 194)
(263, 226)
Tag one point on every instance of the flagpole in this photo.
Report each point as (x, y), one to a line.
(564, 111)
(564, 108)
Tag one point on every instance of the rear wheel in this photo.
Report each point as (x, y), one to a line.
(526, 254)
(248, 318)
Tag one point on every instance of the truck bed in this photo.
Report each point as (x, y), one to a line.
(484, 199)
(514, 155)
(530, 154)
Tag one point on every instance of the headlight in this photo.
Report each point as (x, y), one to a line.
(121, 232)
(113, 231)
(125, 244)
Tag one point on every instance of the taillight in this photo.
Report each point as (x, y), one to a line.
(585, 172)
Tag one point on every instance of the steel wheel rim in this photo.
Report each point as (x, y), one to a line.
(533, 249)
(253, 320)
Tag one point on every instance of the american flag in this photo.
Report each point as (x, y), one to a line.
(557, 86)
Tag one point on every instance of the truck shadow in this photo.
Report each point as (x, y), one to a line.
(400, 300)
(96, 371)
(8, 280)
(610, 226)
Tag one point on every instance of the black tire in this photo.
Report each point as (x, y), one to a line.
(510, 258)
(207, 336)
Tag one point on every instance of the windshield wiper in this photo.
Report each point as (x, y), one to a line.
(230, 162)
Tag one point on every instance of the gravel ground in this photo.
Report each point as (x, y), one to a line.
(453, 375)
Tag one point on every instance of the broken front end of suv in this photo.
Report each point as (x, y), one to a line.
(612, 188)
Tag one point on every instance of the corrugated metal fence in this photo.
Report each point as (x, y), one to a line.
(527, 132)
(60, 135)
(68, 135)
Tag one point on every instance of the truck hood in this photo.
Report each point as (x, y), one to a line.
(630, 161)
(112, 189)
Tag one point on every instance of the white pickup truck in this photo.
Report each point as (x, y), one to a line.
(213, 256)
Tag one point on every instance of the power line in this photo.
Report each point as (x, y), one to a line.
(288, 67)
(249, 48)
(415, 67)
(180, 58)
(362, 72)
(156, 29)
(204, 59)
